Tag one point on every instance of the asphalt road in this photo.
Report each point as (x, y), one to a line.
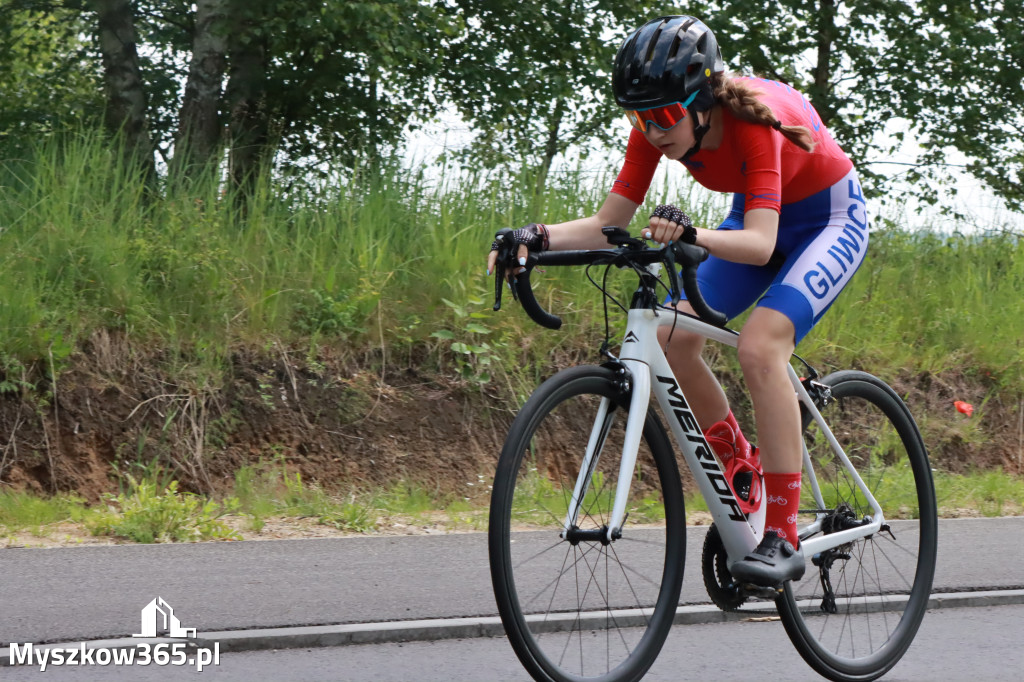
(953, 645)
(69, 594)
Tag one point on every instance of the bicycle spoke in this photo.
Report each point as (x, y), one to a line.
(598, 602)
(877, 585)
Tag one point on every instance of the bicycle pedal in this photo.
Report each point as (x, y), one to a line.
(761, 592)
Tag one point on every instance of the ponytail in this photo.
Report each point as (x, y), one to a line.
(742, 101)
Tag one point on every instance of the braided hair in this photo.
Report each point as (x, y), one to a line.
(741, 99)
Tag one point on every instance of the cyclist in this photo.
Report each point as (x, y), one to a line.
(796, 233)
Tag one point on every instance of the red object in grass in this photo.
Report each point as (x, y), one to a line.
(963, 408)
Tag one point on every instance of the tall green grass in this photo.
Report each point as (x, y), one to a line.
(933, 302)
(390, 261)
(374, 261)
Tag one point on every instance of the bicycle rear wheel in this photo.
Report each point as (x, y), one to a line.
(859, 605)
(581, 607)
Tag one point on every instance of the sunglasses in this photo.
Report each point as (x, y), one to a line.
(664, 117)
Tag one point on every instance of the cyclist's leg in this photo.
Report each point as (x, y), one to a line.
(824, 239)
(730, 288)
(765, 347)
(683, 351)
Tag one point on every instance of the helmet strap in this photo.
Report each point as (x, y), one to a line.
(699, 131)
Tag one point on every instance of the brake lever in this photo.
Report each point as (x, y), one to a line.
(505, 248)
(497, 287)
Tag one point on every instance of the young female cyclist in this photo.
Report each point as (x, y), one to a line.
(796, 233)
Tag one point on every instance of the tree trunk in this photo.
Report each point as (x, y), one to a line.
(125, 114)
(247, 101)
(199, 121)
(551, 147)
(821, 91)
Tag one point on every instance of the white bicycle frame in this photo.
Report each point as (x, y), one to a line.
(649, 370)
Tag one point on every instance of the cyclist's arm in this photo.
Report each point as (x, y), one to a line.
(585, 233)
(754, 244)
(582, 233)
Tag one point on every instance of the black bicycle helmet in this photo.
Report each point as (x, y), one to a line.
(669, 59)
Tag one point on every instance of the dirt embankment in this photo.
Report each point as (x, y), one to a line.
(340, 423)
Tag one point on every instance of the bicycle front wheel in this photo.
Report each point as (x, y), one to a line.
(859, 605)
(575, 605)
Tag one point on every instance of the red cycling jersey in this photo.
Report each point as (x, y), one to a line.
(753, 159)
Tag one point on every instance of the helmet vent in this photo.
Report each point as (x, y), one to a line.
(702, 44)
(674, 50)
(651, 44)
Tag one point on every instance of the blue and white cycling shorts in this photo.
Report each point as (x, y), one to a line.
(821, 243)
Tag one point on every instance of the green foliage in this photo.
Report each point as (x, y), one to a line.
(324, 313)
(13, 375)
(314, 85)
(46, 81)
(537, 496)
(394, 259)
(534, 79)
(992, 493)
(475, 358)
(306, 501)
(942, 74)
(343, 77)
(270, 491)
(408, 498)
(20, 510)
(931, 302)
(150, 514)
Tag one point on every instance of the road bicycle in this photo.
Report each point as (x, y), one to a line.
(587, 524)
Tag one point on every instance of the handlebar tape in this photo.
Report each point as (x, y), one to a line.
(689, 256)
(529, 302)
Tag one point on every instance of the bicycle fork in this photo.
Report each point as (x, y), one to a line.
(638, 374)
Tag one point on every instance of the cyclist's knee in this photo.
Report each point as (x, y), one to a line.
(756, 357)
(765, 343)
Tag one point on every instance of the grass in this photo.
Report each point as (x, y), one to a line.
(394, 259)
(21, 510)
(930, 302)
(273, 492)
(149, 513)
(390, 261)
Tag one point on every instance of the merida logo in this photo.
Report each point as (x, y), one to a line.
(708, 464)
(631, 338)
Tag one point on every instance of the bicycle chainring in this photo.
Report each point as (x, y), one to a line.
(724, 592)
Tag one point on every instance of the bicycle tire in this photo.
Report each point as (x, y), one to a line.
(880, 584)
(609, 620)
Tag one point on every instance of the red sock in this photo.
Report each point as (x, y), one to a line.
(783, 502)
